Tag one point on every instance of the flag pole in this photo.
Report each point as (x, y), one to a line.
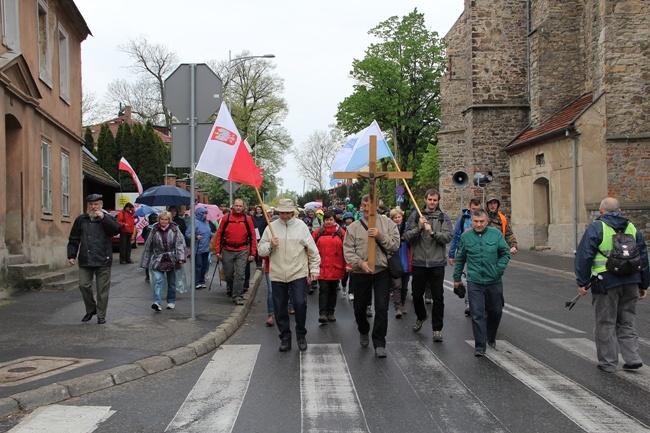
(408, 190)
(266, 217)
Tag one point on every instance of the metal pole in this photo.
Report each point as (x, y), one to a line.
(230, 110)
(192, 157)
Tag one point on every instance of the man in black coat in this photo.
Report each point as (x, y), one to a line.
(90, 244)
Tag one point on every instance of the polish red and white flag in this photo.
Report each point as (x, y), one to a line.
(125, 166)
(226, 155)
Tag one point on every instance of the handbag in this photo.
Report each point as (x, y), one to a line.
(395, 268)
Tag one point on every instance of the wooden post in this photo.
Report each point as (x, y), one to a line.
(372, 175)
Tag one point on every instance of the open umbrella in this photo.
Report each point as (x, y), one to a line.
(164, 195)
(144, 210)
(214, 213)
(315, 204)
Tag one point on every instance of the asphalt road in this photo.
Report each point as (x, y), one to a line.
(542, 378)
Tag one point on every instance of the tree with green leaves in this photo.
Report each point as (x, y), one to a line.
(89, 141)
(107, 156)
(398, 84)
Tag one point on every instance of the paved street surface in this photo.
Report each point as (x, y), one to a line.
(541, 378)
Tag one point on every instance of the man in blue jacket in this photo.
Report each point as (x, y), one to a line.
(486, 253)
(615, 300)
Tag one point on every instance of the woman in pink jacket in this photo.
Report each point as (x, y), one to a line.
(329, 240)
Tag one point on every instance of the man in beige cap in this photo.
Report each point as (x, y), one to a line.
(293, 260)
(90, 244)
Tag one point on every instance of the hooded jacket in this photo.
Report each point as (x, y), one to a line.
(330, 248)
(588, 248)
(154, 248)
(202, 227)
(297, 255)
(426, 250)
(496, 220)
(315, 222)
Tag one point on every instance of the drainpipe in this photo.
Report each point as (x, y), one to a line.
(574, 157)
(528, 26)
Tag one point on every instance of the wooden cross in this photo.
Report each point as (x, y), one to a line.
(373, 175)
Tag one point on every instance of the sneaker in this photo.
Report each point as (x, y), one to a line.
(398, 312)
(369, 311)
(404, 311)
(229, 293)
(322, 318)
(418, 325)
(380, 352)
(350, 296)
(156, 306)
(437, 336)
(492, 344)
(302, 344)
(632, 366)
(171, 305)
(344, 290)
(331, 318)
(239, 301)
(198, 287)
(285, 346)
(270, 321)
(311, 290)
(364, 340)
(479, 353)
(428, 301)
(467, 313)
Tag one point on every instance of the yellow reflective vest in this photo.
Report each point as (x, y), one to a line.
(606, 246)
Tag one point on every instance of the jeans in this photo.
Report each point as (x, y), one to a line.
(297, 289)
(327, 296)
(615, 314)
(364, 285)
(435, 276)
(269, 297)
(158, 278)
(201, 267)
(234, 266)
(103, 276)
(486, 307)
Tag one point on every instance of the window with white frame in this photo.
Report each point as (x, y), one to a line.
(10, 26)
(65, 184)
(46, 200)
(64, 65)
(44, 48)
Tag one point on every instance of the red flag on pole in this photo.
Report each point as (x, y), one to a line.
(125, 166)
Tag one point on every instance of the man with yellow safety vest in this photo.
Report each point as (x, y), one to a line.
(614, 297)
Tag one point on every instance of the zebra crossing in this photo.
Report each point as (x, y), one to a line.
(329, 396)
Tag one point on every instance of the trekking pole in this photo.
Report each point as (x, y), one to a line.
(214, 272)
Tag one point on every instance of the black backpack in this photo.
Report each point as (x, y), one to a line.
(625, 258)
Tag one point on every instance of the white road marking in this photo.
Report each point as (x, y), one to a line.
(586, 349)
(205, 409)
(586, 409)
(544, 319)
(429, 378)
(328, 395)
(59, 418)
(644, 341)
(532, 322)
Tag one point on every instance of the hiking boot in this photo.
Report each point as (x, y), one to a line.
(331, 318)
(380, 352)
(364, 340)
(322, 318)
(302, 344)
(418, 325)
(285, 346)
(437, 336)
(492, 344)
(239, 301)
(467, 313)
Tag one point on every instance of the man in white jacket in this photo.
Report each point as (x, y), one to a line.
(293, 258)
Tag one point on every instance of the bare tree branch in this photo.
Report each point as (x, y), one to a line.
(315, 157)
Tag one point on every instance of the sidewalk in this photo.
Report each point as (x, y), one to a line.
(63, 357)
(48, 355)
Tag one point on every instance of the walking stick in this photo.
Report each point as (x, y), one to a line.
(213, 273)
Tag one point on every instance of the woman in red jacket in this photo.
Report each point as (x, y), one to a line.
(329, 240)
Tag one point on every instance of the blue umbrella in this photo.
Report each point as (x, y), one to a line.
(164, 195)
(144, 210)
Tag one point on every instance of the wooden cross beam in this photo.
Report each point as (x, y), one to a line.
(372, 175)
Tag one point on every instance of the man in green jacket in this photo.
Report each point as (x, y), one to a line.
(486, 254)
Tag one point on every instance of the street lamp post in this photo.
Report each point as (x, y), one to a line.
(232, 62)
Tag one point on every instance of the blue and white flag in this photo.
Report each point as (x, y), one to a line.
(356, 152)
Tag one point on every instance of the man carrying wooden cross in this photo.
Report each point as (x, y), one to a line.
(370, 264)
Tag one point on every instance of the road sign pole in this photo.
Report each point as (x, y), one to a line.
(192, 182)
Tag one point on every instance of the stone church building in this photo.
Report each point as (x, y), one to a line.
(551, 97)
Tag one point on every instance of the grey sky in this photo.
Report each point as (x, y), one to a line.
(314, 43)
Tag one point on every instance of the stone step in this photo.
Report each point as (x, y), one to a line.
(17, 274)
(63, 285)
(40, 281)
(16, 259)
